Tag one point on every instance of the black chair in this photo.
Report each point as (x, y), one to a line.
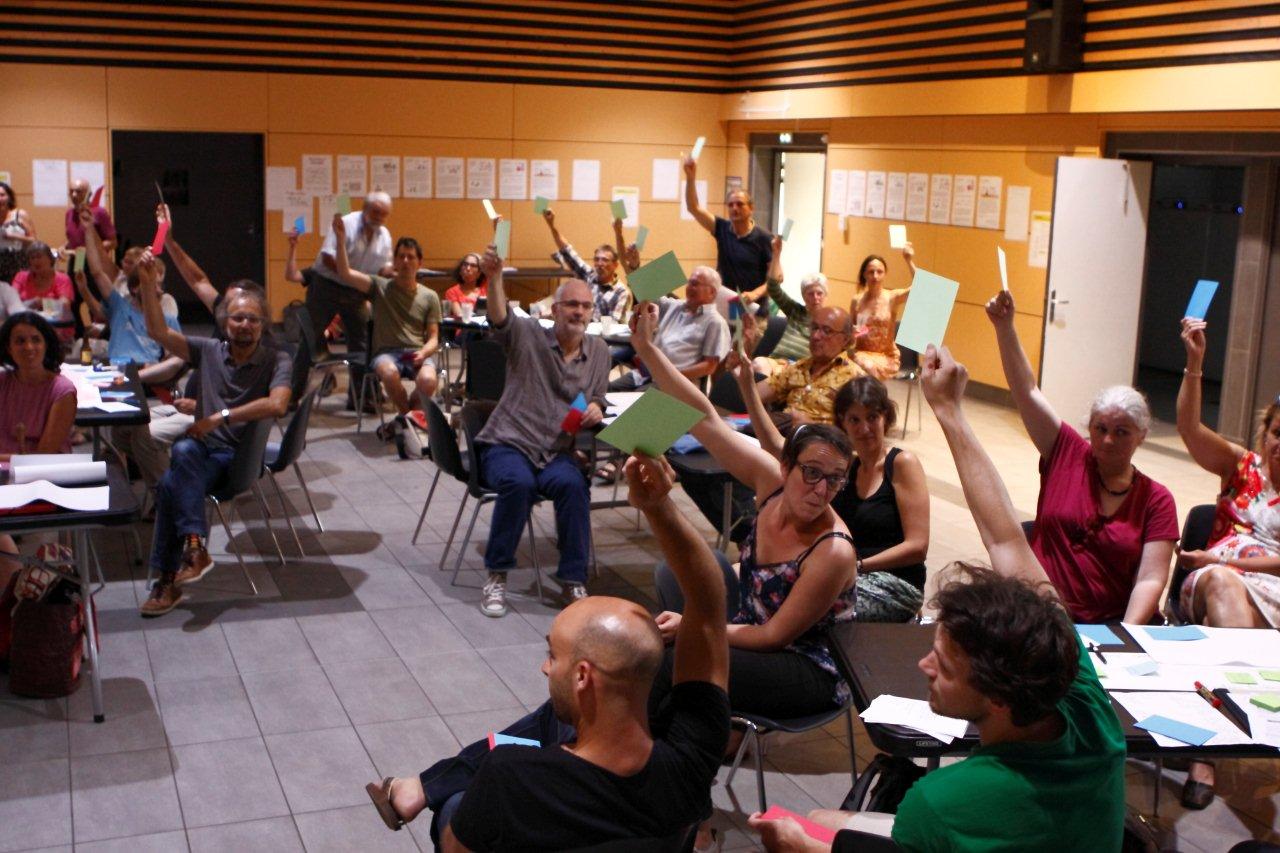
(909, 372)
(285, 454)
(486, 369)
(726, 395)
(773, 330)
(1195, 537)
(442, 441)
(362, 377)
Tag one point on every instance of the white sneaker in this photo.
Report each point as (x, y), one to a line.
(575, 592)
(494, 602)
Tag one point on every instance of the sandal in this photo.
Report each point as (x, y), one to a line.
(610, 472)
(381, 796)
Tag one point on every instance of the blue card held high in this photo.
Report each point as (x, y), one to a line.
(1184, 732)
(1198, 307)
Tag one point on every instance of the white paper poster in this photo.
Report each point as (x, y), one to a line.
(280, 180)
(353, 175)
(856, 202)
(317, 173)
(666, 179)
(837, 191)
(451, 178)
(384, 174)
(964, 197)
(513, 178)
(895, 200)
(327, 206)
(990, 188)
(6, 178)
(586, 180)
(297, 203)
(700, 187)
(630, 196)
(544, 179)
(1017, 213)
(49, 180)
(1038, 248)
(417, 177)
(917, 197)
(92, 172)
(940, 200)
(481, 177)
(875, 195)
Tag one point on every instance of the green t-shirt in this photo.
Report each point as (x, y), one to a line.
(1067, 794)
(400, 317)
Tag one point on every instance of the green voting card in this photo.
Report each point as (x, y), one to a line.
(502, 238)
(651, 424)
(657, 278)
(540, 204)
(619, 208)
(929, 304)
(343, 204)
(641, 236)
(1267, 701)
(1241, 678)
(1270, 674)
(80, 259)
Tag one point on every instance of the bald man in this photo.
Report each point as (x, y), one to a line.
(807, 388)
(78, 192)
(599, 774)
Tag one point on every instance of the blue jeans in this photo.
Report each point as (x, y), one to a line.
(510, 473)
(195, 469)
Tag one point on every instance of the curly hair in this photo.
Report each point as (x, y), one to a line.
(1023, 650)
(869, 392)
(52, 347)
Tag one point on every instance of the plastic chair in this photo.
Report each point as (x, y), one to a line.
(360, 363)
(486, 369)
(773, 330)
(1195, 537)
(442, 441)
(910, 373)
(285, 454)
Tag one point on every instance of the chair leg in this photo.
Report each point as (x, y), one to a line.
(422, 516)
(533, 550)
(462, 550)
(853, 759)
(262, 504)
(284, 509)
(137, 544)
(302, 481)
(759, 757)
(742, 750)
(453, 531)
(231, 544)
(726, 520)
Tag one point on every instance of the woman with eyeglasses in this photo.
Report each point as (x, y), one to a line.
(1104, 531)
(798, 567)
(873, 310)
(469, 285)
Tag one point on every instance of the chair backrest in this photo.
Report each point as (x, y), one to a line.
(1028, 527)
(772, 334)
(443, 443)
(670, 597)
(486, 369)
(294, 439)
(474, 415)
(246, 465)
(726, 395)
(1197, 527)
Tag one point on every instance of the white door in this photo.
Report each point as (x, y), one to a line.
(800, 200)
(1097, 251)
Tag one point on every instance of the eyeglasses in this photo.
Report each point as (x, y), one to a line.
(468, 264)
(251, 319)
(570, 303)
(812, 475)
(828, 331)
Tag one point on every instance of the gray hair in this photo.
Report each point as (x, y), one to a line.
(378, 196)
(564, 285)
(709, 273)
(1123, 400)
(815, 279)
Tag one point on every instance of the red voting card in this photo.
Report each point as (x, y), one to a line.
(162, 231)
(97, 197)
(811, 829)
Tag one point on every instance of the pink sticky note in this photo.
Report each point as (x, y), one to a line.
(157, 244)
(815, 831)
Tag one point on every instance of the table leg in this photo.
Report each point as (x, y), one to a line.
(726, 520)
(81, 540)
(97, 442)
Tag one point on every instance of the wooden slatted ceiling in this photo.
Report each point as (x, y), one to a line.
(684, 45)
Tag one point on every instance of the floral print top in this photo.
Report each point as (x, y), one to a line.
(1250, 506)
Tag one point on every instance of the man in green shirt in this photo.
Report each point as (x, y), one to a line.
(406, 332)
(1049, 773)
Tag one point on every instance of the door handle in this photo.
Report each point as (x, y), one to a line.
(1054, 302)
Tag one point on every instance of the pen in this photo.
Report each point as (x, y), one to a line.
(1231, 709)
(1093, 647)
(1216, 700)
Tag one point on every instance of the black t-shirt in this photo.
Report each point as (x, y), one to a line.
(874, 521)
(535, 798)
(743, 262)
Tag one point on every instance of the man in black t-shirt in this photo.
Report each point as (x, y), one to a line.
(744, 250)
(599, 775)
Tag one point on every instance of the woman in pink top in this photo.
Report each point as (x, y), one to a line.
(1104, 531)
(40, 281)
(469, 285)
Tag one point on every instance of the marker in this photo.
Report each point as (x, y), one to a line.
(1093, 648)
(1232, 710)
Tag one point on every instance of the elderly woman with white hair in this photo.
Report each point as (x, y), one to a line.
(1104, 531)
(794, 343)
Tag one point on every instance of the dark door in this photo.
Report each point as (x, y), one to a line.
(213, 185)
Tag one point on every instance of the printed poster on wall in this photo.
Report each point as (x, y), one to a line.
(353, 175)
(92, 172)
(699, 187)
(895, 199)
(586, 180)
(940, 200)
(481, 177)
(875, 195)
(630, 196)
(450, 177)
(297, 203)
(666, 179)
(417, 177)
(990, 188)
(513, 179)
(317, 173)
(384, 174)
(49, 179)
(1017, 213)
(544, 179)
(1038, 247)
(917, 197)
(964, 197)
(837, 191)
(856, 201)
(280, 180)
(328, 206)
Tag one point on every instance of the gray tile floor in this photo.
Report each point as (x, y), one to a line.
(240, 723)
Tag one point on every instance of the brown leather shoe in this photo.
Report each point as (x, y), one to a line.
(165, 596)
(196, 562)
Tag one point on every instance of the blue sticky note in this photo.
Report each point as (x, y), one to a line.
(1148, 667)
(1175, 632)
(579, 402)
(1100, 634)
(1198, 307)
(1184, 732)
(502, 238)
(300, 224)
(929, 304)
(497, 739)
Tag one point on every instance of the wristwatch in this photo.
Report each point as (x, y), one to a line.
(226, 416)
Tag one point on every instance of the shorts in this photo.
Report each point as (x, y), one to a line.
(402, 359)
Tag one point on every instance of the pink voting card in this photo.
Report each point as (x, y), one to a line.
(811, 829)
(162, 231)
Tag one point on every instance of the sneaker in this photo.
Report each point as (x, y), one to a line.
(408, 442)
(575, 592)
(165, 596)
(494, 602)
(196, 562)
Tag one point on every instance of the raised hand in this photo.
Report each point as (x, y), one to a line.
(1000, 309)
(942, 378)
(339, 227)
(1193, 338)
(908, 252)
(649, 480)
(490, 263)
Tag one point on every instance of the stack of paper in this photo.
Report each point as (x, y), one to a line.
(82, 499)
(62, 469)
(916, 714)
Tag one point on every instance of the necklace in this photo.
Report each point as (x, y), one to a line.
(1115, 493)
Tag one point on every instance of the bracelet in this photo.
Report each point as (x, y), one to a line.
(1194, 373)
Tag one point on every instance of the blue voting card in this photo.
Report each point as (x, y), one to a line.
(1184, 732)
(1100, 634)
(1198, 307)
(1175, 632)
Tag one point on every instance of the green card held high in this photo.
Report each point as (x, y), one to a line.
(540, 204)
(657, 278)
(929, 304)
(343, 204)
(619, 208)
(502, 238)
(651, 424)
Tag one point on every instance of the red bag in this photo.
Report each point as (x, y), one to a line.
(47, 652)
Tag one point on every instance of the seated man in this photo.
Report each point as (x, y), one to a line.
(608, 291)
(406, 332)
(691, 333)
(523, 452)
(1049, 773)
(601, 774)
(242, 379)
(807, 388)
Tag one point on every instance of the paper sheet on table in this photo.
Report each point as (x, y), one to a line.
(1124, 671)
(1100, 634)
(651, 424)
(1221, 646)
(87, 395)
(928, 311)
(82, 499)
(1187, 708)
(657, 278)
(114, 407)
(617, 402)
(78, 470)
(916, 714)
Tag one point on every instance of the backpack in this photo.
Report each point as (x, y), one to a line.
(47, 649)
(881, 787)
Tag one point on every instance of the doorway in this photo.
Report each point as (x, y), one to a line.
(213, 185)
(1192, 234)
(787, 182)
